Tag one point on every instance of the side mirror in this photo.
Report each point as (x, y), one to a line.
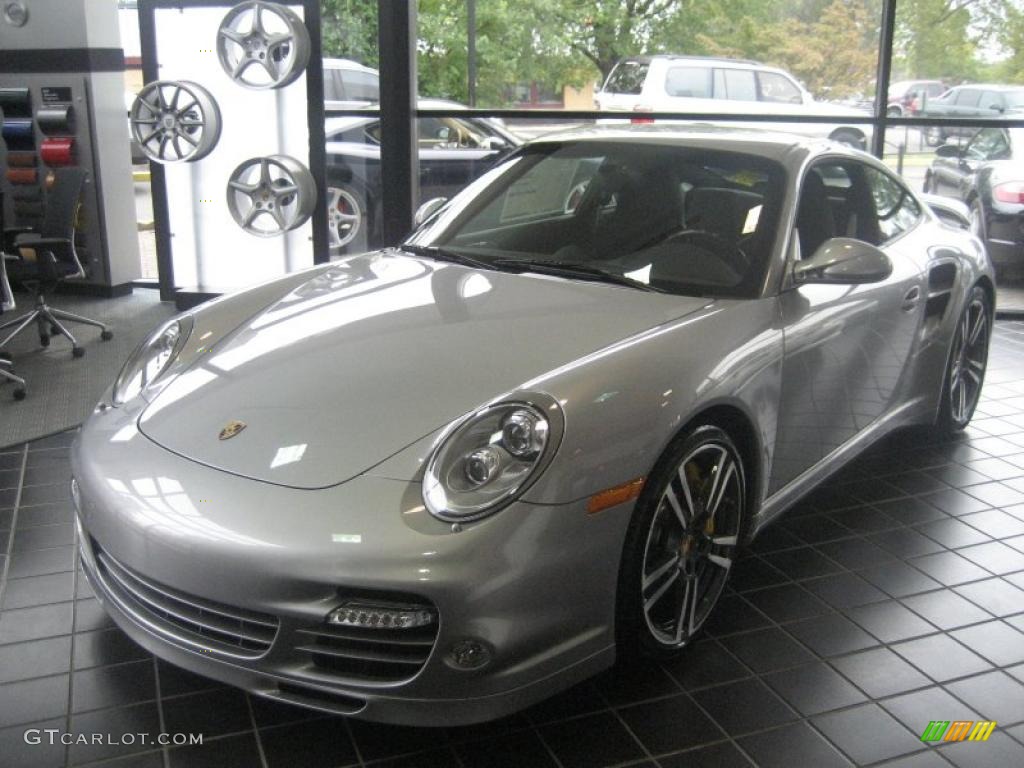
(427, 210)
(951, 151)
(843, 261)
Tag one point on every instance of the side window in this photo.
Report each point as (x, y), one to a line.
(688, 82)
(777, 88)
(968, 97)
(991, 100)
(333, 90)
(361, 86)
(820, 213)
(896, 209)
(627, 77)
(740, 85)
(988, 144)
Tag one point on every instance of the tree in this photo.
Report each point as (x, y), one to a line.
(349, 30)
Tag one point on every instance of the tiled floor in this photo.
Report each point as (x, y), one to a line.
(891, 598)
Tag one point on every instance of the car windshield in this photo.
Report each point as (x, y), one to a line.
(672, 218)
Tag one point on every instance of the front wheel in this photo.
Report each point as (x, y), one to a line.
(681, 544)
(968, 359)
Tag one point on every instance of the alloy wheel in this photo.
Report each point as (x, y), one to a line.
(691, 543)
(968, 361)
(344, 218)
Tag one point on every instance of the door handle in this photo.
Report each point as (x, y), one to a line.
(911, 298)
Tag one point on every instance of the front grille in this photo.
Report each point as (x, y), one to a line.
(372, 655)
(193, 620)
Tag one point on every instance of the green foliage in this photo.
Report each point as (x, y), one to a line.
(831, 45)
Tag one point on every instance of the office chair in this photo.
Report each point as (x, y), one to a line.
(7, 303)
(55, 261)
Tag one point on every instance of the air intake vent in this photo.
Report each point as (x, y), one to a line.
(373, 655)
(192, 620)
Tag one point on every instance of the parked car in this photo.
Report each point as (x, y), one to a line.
(350, 85)
(972, 101)
(987, 174)
(666, 83)
(908, 97)
(452, 152)
(437, 483)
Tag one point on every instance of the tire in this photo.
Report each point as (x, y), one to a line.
(965, 370)
(349, 222)
(663, 564)
(850, 138)
(894, 111)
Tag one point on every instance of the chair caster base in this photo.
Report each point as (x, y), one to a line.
(107, 335)
(77, 352)
(44, 340)
(6, 356)
(19, 394)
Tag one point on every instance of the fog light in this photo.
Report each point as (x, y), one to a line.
(469, 654)
(371, 616)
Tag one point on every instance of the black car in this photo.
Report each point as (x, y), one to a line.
(987, 173)
(452, 152)
(977, 101)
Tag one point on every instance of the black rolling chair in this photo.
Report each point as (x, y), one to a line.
(7, 302)
(55, 261)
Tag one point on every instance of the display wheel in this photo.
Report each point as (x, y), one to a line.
(262, 45)
(175, 121)
(269, 196)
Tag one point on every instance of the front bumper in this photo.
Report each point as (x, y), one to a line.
(533, 584)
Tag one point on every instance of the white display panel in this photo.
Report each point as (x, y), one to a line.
(210, 251)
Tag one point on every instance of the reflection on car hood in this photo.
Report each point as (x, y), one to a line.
(377, 352)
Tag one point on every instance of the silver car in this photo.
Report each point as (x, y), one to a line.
(437, 483)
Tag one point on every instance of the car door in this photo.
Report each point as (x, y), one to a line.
(846, 346)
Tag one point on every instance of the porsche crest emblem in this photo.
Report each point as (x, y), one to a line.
(231, 429)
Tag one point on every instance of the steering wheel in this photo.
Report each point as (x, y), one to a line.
(729, 253)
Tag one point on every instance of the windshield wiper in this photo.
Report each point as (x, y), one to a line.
(444, 254)
(571, 269)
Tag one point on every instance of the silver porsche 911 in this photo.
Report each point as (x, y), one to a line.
(439, 482)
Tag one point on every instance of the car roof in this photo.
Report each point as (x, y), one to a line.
(686, 57)
(348, 64)
(989, 87)
(785, 148)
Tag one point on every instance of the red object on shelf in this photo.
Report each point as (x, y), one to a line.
(22, 175)
(58, 152)
(21, 159)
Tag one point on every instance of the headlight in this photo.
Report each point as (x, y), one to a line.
(488, 460)
(151, 359)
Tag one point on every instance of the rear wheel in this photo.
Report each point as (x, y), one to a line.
(968, 359)
(681, 544)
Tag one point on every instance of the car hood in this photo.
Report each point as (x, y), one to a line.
(376, 353)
